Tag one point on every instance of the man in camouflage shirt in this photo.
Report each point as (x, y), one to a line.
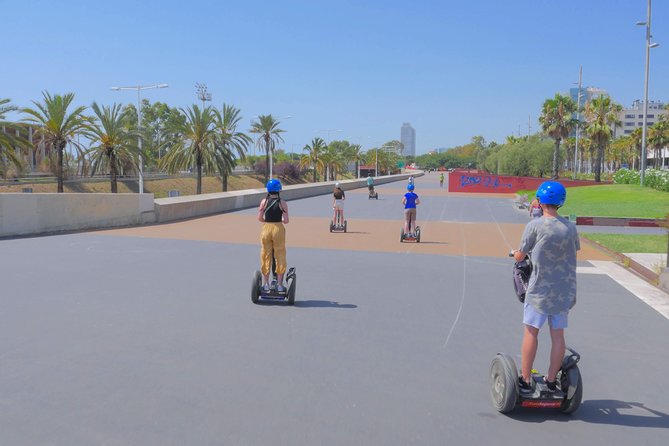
(552, 241)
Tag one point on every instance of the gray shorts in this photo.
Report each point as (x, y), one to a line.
(535, 319)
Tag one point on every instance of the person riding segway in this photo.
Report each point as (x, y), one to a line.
(273, 214)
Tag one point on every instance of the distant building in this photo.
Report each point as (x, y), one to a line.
(587, 95)
(408, 139)
(632, 118)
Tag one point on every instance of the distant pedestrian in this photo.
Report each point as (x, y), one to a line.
(535, 209)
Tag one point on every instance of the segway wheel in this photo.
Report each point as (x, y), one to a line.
(291, 290)
(331, 227)
(573, 396)
(503, 383)
(401, 235)
(255, 287)
(376, 196)
(345, 225)
(417, 234)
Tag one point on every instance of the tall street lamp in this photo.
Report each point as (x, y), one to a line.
(328, 133)
(578, 118)
(202, 93)
(139, 88)
(644, 130)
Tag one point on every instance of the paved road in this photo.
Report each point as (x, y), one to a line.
(147, 335)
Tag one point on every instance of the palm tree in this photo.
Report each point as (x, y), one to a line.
(200, 145)
(312, 157)
(113, 145)
(354, 153)
(9, 142)
(232, 140)
(269, 134)
(58, 126)
(337, 157)
(658, 138)
(636, 137)
(600, 114)
(557, 120)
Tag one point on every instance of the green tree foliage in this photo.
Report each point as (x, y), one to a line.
(58, 125)
(269, 135)
(113, 145)
(9, 142)
(233, 141)
(557, 120)
(600, 114)
(312, 157)
(200, 145)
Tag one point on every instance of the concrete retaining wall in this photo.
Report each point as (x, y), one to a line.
(34, 214)
(28, 213)
(179, 208)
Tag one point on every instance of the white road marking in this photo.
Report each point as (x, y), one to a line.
(653, 296)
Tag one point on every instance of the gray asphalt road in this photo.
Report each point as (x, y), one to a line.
(109, 340)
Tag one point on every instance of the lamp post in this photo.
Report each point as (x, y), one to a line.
(202, 93)
(139, 88)
(328, 133)
(644, 130)
(578, 118)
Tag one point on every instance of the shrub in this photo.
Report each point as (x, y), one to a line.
(657, 179)
(626, 176)
(287, 169)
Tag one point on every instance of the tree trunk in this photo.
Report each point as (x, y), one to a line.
(224, 178)
(598, 164)
(556, 160)
(266, 166)
(112, 174)
(199, 175)
(316, 171)
(59, 167)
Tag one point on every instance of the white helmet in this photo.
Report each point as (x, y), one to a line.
(337, 185)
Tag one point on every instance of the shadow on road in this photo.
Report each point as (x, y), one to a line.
(613, 412)
(322, 304)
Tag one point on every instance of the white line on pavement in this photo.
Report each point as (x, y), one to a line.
(653, 296)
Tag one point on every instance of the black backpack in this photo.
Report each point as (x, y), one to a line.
(521, 277)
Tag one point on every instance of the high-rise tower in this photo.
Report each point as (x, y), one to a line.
(408, 139)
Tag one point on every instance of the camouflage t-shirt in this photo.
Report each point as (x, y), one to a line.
(552, 244)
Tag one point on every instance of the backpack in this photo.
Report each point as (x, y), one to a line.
(521, 277)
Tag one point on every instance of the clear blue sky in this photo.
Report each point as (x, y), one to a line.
(453, 69)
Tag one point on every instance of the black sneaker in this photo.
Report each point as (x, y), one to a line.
(552, 386)
(524, 387)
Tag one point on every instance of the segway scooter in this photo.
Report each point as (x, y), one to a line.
(338, 226)
(504, 386)
(505, 393)
(258, 294)
(409, 236)
(372, 193)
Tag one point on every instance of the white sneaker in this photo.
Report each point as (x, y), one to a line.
(281, 288)
(265, 288)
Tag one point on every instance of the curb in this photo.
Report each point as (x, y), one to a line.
(647, 274)
(621, 221)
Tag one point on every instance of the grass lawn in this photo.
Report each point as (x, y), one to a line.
(630, 243)
(614, 200)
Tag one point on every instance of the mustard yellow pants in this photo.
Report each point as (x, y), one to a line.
(273, 238)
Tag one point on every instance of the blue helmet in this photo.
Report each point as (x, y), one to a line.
(273, 185)
(552, 192)
(410, 187)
